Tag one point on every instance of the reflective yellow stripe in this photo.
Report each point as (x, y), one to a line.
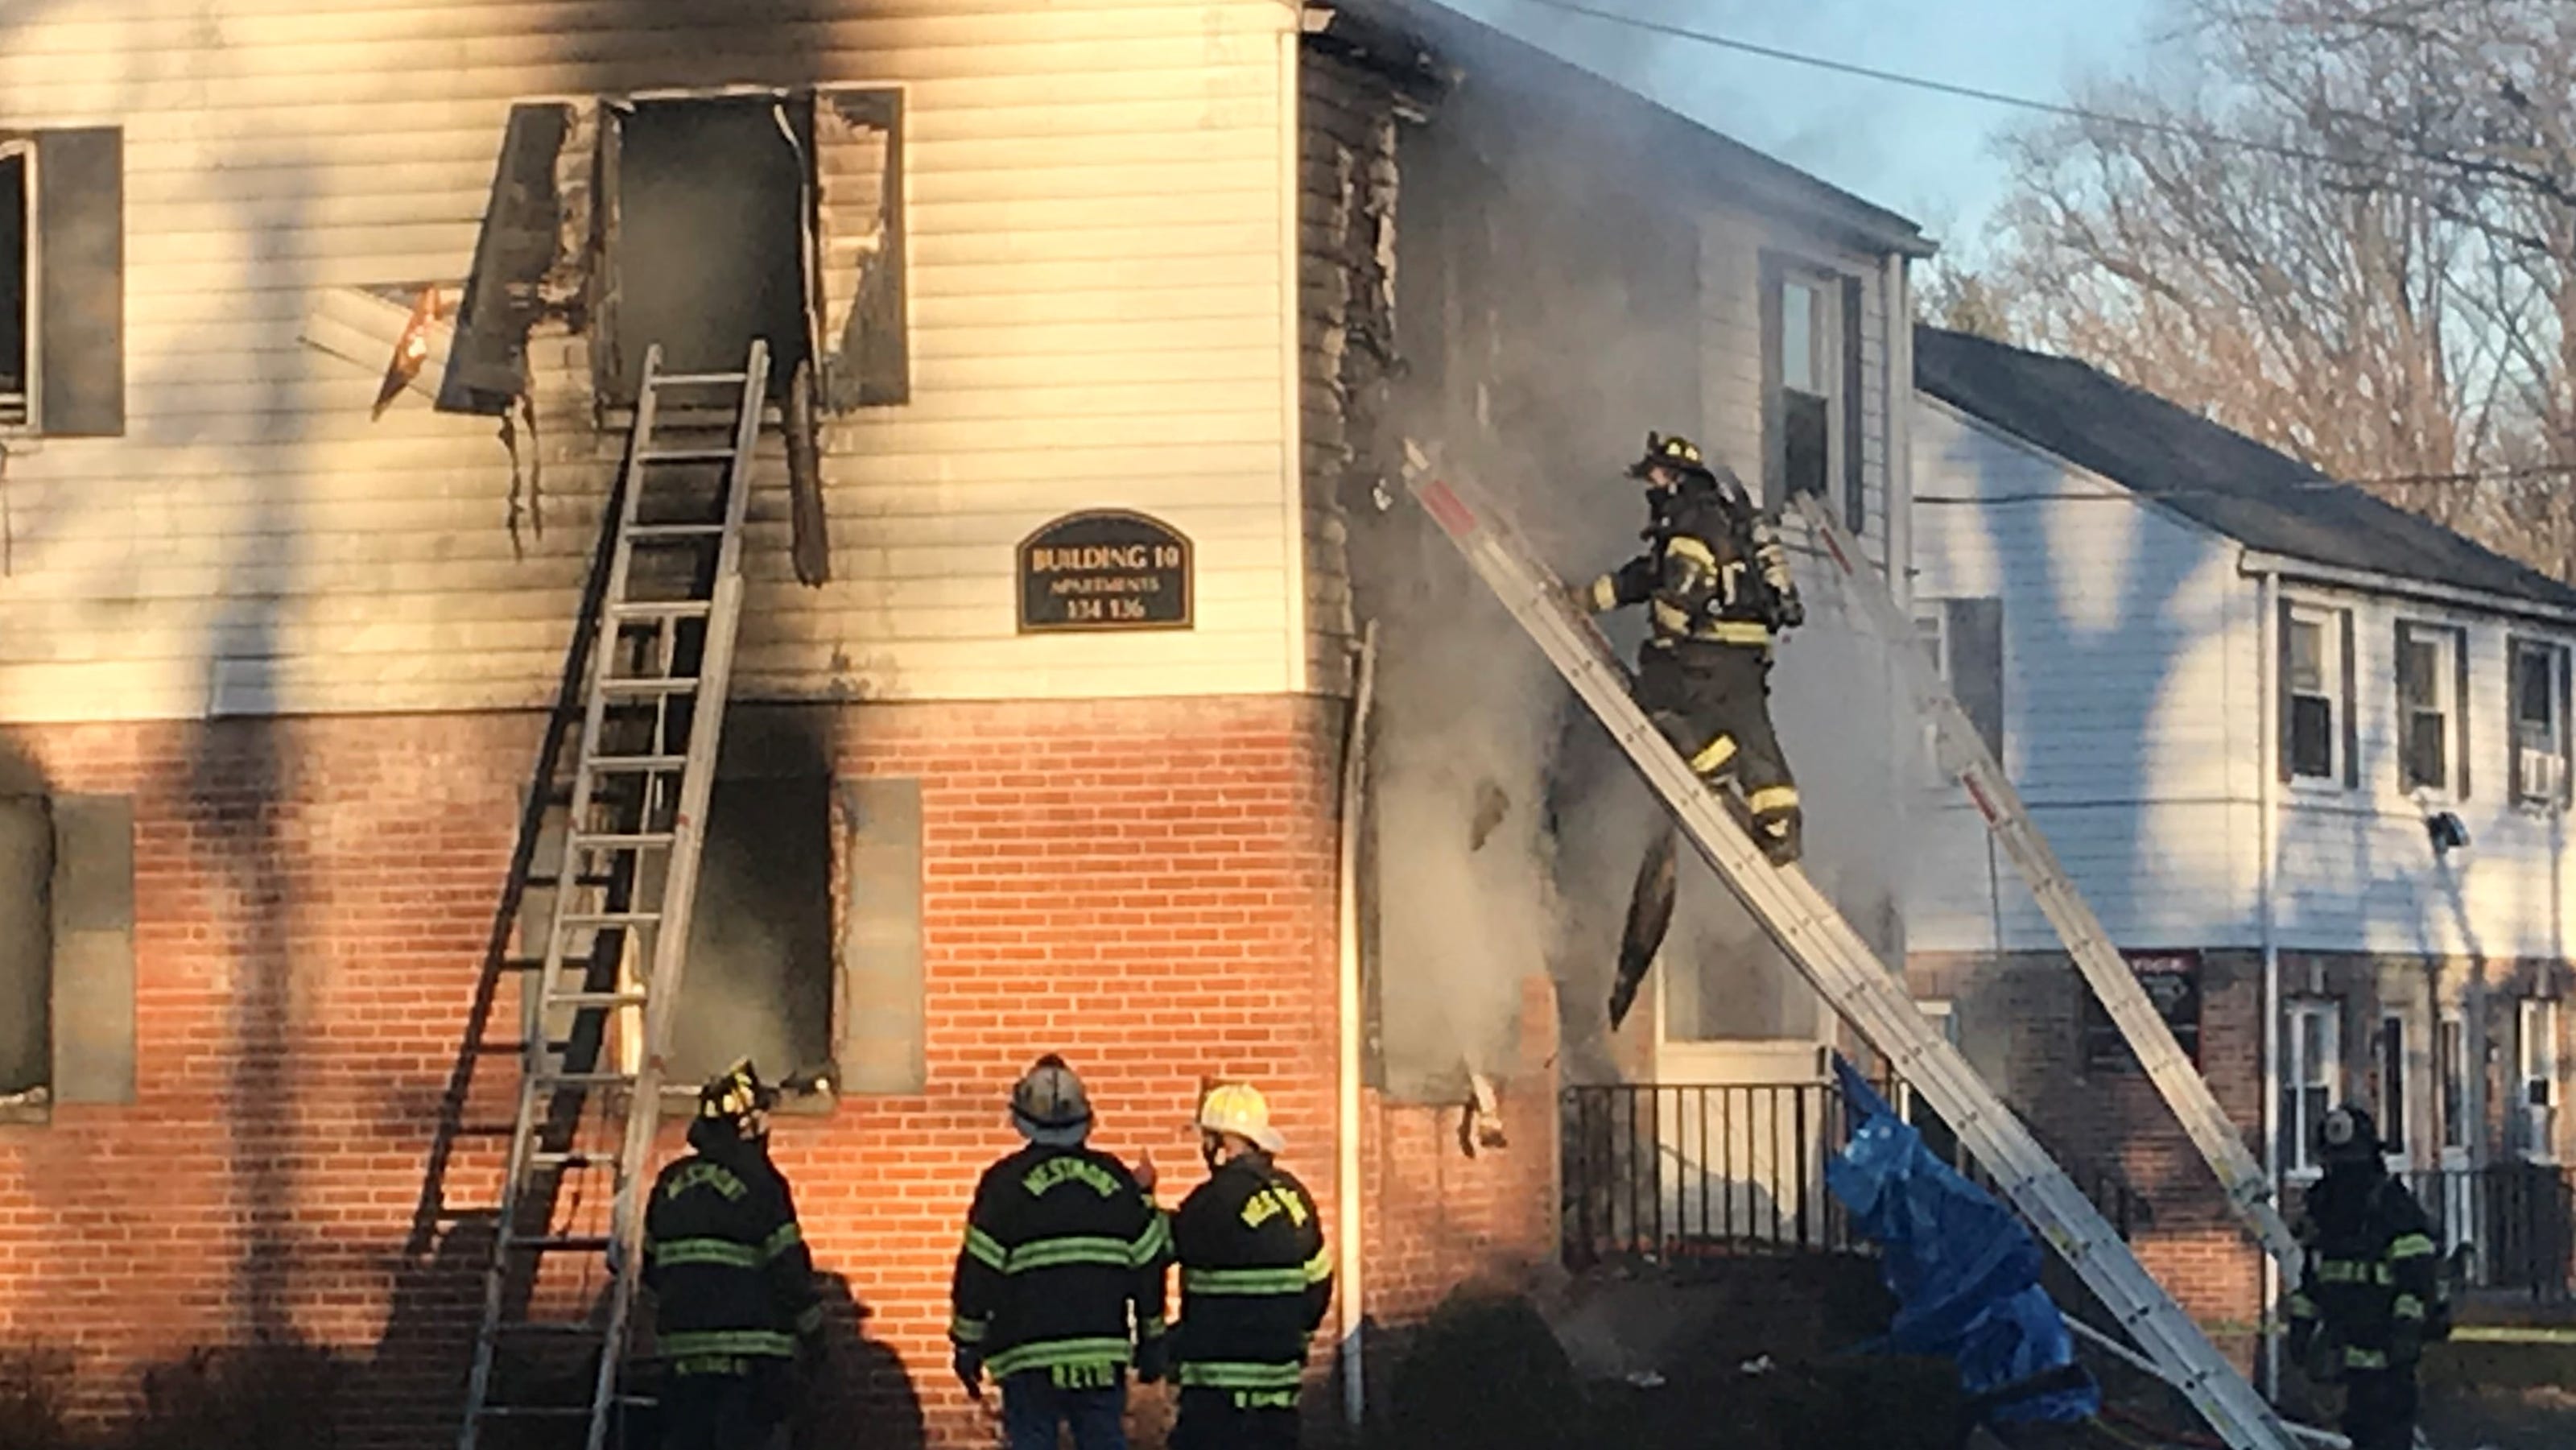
(2408, 1307)
(2302, 1307)
(1670, 619)
(1056, 1253)
(1058, 1353)
(2354, 1358)
(2411, 1246)
(1605, 593)
(968, 1331)
(781, 1241)
(1693, 550)
(726, 1341)
(984, 1248)
(1320, 1267)
(1771, 799)
(1737, 631)
(2353, 1271)
(1155, 1241)
(1223, 1375)
(1714, 758)
(723, 1252)
(1154, 1326)
(1243, 1281)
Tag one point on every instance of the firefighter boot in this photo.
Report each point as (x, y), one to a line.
(1650, 915)
(1778, 834)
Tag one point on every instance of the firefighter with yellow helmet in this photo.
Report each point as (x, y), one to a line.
(1256, 1279)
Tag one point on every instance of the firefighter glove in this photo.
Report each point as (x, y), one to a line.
(969, 1364)
(1793, 612)
(1153, 1358)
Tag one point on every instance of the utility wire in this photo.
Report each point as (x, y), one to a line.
(1947, 88)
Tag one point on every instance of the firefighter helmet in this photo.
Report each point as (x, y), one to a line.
(1671, 451)
(1238, 1108)
(736, 1098)
(1049, 1106)
(2348, 1133)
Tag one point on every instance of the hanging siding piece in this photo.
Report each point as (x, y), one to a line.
(519, 247)
(858, 163)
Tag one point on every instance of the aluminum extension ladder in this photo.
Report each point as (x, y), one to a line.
(659, 669)
(1848, 974)
(1963, 754)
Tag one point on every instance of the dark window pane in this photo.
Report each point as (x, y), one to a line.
(2532, 695)
(26, 944)
(13, 286)
(2392, 1082)
(2311, 736)
(2419, 667)
(2424, 755)
(759, 983)
(1803, 417)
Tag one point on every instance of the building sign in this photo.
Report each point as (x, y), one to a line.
(2172, 983)
(1104, 569)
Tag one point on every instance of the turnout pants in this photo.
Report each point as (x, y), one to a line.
(1713, 702)
(742, 1410)
(1033, 1405)
(2379, 1408)
(1213, 1419)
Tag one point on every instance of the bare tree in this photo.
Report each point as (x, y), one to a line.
(2344, 227)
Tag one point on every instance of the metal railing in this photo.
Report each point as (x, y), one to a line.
(2509, 1228)
(1674, 1172)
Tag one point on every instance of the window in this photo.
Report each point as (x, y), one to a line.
(1811, 347)
(62, 283)
(2432, 734)
(759, 983)
(17, 279)
(2539, 713)
(2539, 1073)
(2390, 1108)
(2172, 982)
(2455, 1084)
(2311, 1079)
(66, 953)
(1963, 641)
(2317, 735)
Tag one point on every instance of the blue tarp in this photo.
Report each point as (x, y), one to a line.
(1964, 1270)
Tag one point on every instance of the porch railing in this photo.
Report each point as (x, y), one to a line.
(2508, 1228)
(1677, 1172)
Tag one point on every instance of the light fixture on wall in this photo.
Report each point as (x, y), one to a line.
(2447, 832)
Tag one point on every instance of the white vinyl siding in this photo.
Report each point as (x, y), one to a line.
(1095, 269)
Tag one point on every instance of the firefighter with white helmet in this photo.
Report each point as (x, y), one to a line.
(1061, 1245)
(1255, 1282)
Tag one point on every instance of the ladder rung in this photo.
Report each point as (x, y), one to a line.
(640, 685)
(612, 841)
(661, 609)
(550, 881)
(596, 999)
(512, 1047)
(562, 1412)
(585, 1079)
(694, 380)
(650, 532)
(610, 918)
(550, 1328)
(560, 1244)
(636, 764)
(572, 1160)
(523, 964)
(688, 455)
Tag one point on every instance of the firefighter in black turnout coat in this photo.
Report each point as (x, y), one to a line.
(1062, 1244)
(1719, 593)
(736, 1305)
(2370, 1293)
(1255, 1282)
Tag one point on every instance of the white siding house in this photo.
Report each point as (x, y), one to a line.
(2263, 719)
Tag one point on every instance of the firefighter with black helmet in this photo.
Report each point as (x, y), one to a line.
(1063, 1245)
(1255, 1282)
(1717, 584)
(2370, 1293)
(736, 1305)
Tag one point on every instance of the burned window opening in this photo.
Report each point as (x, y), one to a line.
(17, 281)
(709, 249)
(26, 950)
(518, 247)
(760, 980)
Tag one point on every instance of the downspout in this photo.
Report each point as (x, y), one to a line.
(1295, 532)
(1350, 1209)
(2267, 863)
(1899, 570)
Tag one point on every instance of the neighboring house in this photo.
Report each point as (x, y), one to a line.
(276, 642)
(2294, 745)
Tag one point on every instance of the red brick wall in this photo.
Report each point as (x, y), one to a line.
(2020, 1023)
(1145, 886)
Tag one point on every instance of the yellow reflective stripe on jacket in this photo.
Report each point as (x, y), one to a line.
(1320, 1267)
(1058, 1353)
(2411, 1246)
(2353, 1271)
(2408, 1307)
(1605, 594)
(1056, 1253)
(1735, 631)
(671, 1253)
(968, 1331)
(2357, 1358)
(1714, 758)
(810, 1320)
(1153, 1326)
(2302, 1307)
(984, 1248)
(1770, 799)
(1693, 550)
(759, 1342)
(780, 1242)
(1154, 1242)
(1232, 1375)
(1243, 1281)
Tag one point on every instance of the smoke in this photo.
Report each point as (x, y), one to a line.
(1551, 311)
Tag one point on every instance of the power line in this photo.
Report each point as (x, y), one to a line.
(2313, 485)
(2058, 109)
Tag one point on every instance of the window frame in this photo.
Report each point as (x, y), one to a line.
(2388, 1068)
(1932, 632)
(2450, 643)
(1836, 348)
(2536, 1062)
(30, 409)
(2528, 791)
(2451, 1046)
(2299, 1078)
(2334, 688)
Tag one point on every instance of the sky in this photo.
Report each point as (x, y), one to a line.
(1927, 156)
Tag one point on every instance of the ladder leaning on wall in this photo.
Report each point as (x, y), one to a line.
(1849, 975)
(650, 678)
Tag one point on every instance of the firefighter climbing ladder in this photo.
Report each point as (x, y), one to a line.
(1964, 754)
(644, 769)
(1849, 975)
